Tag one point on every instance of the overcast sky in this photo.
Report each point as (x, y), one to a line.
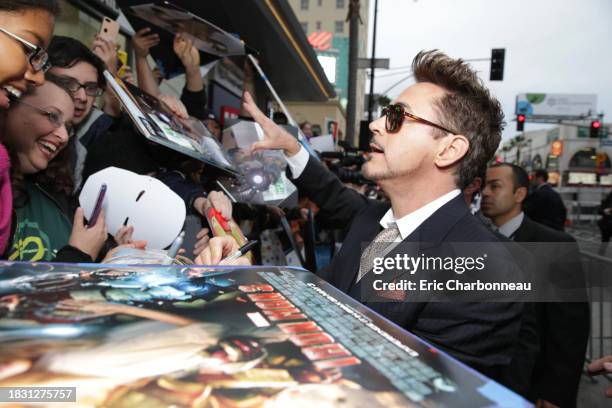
(552, 46)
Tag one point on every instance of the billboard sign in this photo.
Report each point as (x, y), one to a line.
(535, 105)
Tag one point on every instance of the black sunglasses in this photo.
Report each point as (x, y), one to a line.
(395, 115)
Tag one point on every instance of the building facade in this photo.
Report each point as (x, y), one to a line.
(324, 23)
(579, 166)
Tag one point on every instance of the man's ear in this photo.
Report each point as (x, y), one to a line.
(452, 149)
(520, 194)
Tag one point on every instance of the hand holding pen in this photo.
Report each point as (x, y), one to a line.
(225, 251)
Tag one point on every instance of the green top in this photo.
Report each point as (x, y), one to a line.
(42, 228)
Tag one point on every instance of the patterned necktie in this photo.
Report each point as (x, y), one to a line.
(381, 244)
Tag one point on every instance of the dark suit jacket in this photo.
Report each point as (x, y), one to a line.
(482, 335)
(545, 206)
(562, 327)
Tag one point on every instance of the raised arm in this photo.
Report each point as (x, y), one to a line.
(143, 41)
(338, 204)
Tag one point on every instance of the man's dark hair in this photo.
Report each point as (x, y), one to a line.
(66, 52)
(468, 108)
(50, 6)
(541, 173)
(520, 177)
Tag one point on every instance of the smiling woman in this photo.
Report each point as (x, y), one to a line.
(26, 27)
(37, 138)
(35, 130)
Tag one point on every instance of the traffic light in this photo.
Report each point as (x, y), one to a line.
(498, 55)
(595, 127)
(520, 122)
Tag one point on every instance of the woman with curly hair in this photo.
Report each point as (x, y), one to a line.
(37, 135)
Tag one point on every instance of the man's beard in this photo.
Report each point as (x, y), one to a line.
(383, 174)
(376, 175)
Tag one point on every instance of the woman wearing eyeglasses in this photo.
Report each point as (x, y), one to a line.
(26, 27)
(37, 138)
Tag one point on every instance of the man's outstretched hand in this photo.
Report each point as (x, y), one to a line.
(276, 138)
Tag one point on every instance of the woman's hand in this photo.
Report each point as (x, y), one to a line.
(88, 240)
(142, 42)
(124, 235)
(219, 248)
(218, 200)
(134, 244)
(202, 243)
(107, 51)
(174, 105)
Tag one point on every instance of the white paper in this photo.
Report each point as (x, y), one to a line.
(323, 143)
(156, 212)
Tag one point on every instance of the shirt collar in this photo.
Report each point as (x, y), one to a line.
(509, 228)
(410, 222)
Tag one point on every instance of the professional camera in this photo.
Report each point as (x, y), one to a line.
(347, 166)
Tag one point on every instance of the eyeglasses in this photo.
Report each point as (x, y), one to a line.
(56, 118)
(37, 56)
(72, 85)
(395, 115)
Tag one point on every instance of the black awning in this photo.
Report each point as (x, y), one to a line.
(271, 28)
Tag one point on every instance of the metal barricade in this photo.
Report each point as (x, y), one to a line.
(598, 273)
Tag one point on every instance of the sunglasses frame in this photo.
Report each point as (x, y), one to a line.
(399, 110)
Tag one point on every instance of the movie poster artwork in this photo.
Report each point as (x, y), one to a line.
(185, 336)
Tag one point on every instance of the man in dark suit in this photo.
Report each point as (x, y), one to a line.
(558, 345)
(428, 144)
(544, 205)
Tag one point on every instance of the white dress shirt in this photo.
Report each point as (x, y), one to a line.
(509, 228)
(297, 163)
(410, 222)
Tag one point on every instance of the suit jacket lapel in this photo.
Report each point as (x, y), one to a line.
(362, 233)
(524, 233)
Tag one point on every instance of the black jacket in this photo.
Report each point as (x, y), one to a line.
(482, 335)
(562, 327)
(545, 206)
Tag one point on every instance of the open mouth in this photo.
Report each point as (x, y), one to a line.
(12, 92)
(375, 148)
(8, 93)
(49, 148)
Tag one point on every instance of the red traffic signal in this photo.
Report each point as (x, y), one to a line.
(595, 126)
(520, 122)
